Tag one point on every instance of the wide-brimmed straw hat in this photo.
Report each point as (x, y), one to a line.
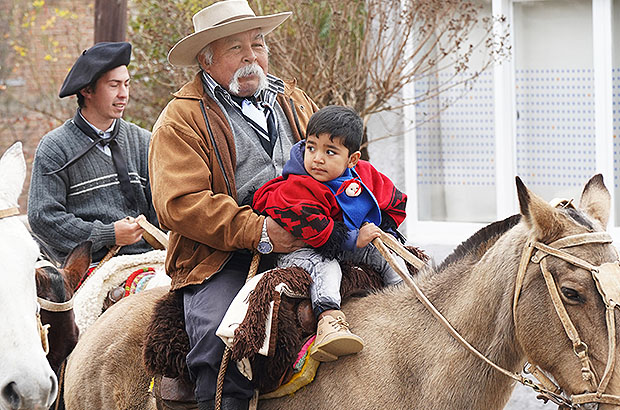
(220, 20)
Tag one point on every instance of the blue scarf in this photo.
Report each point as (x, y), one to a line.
(358, 204)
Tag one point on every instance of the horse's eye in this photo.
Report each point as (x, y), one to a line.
(572, 294)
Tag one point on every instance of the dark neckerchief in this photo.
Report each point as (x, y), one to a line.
(237, 102)
(117, 155)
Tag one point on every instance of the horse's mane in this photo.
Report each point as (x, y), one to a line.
(485, 236)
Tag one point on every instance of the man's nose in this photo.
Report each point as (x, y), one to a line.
(249, 56)
(123, 91)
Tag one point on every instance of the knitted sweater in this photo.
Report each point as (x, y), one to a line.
(83, 201)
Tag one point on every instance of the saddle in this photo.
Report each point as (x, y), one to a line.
(293, 323)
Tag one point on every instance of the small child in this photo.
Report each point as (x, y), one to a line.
(335, 202)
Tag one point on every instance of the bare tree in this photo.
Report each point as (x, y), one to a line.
(363, 52)
(359, 53)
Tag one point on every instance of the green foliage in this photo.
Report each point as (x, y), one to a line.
(154, 27)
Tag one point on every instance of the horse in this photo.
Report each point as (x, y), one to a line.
(524, 289)
(26, 378)
(55, 288)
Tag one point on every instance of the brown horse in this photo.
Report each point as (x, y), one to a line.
(58, 286)
(55, 289)
(410, 360)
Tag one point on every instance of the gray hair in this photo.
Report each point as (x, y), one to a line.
(207, 54)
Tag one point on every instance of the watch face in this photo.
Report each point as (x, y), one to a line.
(264, 247)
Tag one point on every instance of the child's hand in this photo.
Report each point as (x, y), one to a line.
(368, 232)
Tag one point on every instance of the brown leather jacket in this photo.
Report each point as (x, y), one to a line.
(192, 171)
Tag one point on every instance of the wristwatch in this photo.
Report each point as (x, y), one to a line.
(264, 245)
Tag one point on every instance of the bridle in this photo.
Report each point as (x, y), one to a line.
(607, 279)
(49, 305)
(41, 303)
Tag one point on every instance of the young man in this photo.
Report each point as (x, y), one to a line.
(91, 173)
(224, 134)
(334, 202)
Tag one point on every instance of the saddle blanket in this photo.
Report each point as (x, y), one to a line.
(236, 313)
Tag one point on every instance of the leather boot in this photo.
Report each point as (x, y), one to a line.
(228, 403)
(334, 339)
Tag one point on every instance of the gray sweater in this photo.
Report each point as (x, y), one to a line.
(83, 201)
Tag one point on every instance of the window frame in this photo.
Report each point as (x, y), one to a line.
(452, 233)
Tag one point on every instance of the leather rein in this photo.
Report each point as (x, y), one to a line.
(41, 303)
(607, 279)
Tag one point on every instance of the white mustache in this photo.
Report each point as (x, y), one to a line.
(248, 70)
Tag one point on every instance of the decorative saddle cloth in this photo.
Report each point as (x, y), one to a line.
(90, 297)
(292, 326)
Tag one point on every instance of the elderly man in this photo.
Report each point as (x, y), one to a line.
(223, 135)
(91, 173)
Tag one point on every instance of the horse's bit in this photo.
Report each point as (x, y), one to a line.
(43, 329)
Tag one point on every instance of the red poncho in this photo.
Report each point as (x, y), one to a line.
(307, 208)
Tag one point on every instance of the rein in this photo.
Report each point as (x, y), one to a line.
(607, 280)
(5, 213)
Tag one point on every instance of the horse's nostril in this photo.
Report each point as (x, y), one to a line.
(11, 395)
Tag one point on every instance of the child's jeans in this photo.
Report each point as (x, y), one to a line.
(326, 274)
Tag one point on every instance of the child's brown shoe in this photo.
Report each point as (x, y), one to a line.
(334, 339)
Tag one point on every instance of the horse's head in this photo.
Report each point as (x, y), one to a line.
(26, 379)
(568, 269)
(55, 289)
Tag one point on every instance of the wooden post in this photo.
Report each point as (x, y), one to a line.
(110, 20)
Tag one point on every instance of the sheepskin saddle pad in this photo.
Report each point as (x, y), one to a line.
(292, 324)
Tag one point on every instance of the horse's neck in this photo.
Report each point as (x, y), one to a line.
(476, 298)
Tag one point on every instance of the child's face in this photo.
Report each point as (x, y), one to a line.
(326, 159)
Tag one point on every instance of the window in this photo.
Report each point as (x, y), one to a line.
(551, 114)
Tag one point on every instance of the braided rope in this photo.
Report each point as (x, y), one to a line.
(228, 351)
(220, 378)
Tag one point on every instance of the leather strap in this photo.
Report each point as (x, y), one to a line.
(55, 306)
(117, 156)
(579, 347)
(5, 213)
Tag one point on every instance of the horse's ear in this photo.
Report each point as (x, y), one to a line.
(13, 171)
(77, 263)
(537, 213)
(595, 200)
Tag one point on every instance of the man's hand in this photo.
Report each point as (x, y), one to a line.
(283, 241)
(127, 231)
(368, 232)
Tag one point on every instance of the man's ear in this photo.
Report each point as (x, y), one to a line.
(202, 63)
(353, 158)
(88, 90)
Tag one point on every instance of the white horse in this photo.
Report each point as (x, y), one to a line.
(26, 378)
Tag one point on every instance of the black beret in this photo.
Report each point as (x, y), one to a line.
(94, 62)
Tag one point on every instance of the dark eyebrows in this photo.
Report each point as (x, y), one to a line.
(333, 147)
(116, 81)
